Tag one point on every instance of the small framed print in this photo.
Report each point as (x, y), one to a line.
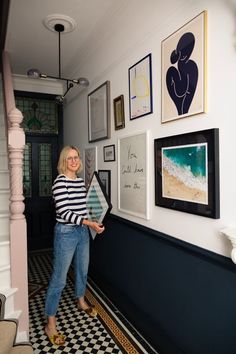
(97, 202)
(119, 114)
(109, 153)
(105, 178)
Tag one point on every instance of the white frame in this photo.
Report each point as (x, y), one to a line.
(90, 163)
(133, 186)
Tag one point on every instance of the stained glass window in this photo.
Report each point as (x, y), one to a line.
(45, 170)
(40, 115)
(27, 179)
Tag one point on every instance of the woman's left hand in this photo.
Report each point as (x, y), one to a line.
(97, 227)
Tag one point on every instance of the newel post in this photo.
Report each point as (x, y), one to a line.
(16, 144)
(230, 234)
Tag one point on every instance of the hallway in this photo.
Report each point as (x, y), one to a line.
(108, 333)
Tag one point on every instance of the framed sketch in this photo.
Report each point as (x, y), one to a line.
(140, 88)
(105, 178)
(99, 113)
(97, 201)
(133, 174)
(109, 153)
(119, 112)
(184, 70)
(187, 173)
(90, 164)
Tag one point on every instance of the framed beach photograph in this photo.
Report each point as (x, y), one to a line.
(105, 178)
(119, 112)
(187, 172)
(97, 201)
(99, 113)
(90, 164)
(109, 153)
(133, 174)
(140, 88)
(183, 70)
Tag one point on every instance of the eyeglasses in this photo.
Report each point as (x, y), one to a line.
(71, 158)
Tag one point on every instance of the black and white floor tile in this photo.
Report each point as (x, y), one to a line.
(109, 332)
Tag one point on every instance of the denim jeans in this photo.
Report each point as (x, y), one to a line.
(69, 241)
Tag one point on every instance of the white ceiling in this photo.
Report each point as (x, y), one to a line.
(32, 45)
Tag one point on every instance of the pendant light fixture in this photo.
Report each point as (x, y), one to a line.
(62, 23)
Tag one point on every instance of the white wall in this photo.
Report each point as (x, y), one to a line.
(23, 83)
(135, 30)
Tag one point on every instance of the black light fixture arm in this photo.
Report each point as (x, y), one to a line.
(35, 73)
(45, 76)
(69, 86)
(59, 28)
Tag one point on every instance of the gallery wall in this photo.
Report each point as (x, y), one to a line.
(136, 31)
(162, 271)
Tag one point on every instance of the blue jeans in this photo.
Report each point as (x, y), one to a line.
(69, 241)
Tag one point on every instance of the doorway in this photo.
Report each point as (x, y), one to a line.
(42, 123)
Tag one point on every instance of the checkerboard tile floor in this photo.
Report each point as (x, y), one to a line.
(83, 334)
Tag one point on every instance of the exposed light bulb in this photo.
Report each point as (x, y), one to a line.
(34, 73)
(83, 82)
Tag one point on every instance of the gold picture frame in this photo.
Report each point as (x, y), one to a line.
(184, 71)
(119, 112)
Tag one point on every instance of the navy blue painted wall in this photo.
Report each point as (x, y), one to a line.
(182, 298)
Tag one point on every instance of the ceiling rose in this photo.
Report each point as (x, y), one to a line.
(51, 20)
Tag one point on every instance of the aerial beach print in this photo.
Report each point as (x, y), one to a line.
(185, 173)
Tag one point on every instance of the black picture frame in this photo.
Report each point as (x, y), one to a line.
(105, 178)
(97, 201)
(140, 88)
(187, 172)
(109, 153)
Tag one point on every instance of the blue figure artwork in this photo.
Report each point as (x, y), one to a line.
(182, 80)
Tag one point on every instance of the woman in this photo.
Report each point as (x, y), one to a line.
(71, 239)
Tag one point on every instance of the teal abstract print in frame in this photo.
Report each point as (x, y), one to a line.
(97, 201)
(187, 173)
(95, 208)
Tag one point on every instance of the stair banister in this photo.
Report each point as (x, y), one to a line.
(18, 233)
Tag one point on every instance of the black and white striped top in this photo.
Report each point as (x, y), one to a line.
(70, 200)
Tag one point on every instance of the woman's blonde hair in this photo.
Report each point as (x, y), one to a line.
(62, 162)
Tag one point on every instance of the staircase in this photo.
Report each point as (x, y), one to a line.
(5, 246)
(8, 330)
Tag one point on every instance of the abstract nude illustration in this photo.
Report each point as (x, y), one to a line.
(184, 71)
(181, 81)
